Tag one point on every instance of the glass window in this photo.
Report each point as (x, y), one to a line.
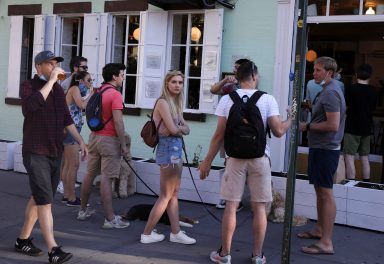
(186, 53)
(342, 7)
(27, 49)
(71, 40)
(126, 37)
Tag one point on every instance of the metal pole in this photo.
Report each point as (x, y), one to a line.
(300, 38)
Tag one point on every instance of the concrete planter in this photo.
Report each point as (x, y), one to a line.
(355, 206)
(18, 165)
(209, 189)
(6, 154)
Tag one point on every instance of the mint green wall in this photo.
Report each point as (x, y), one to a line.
(249, 29)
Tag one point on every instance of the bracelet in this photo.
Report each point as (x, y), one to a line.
(308, 127)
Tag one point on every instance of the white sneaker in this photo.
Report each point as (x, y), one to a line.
(181, 238)
(152, 238)
(60, 188)
(83, 214)
(220, 204)
(117, 222)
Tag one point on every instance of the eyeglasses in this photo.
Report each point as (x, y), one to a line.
(85, 67)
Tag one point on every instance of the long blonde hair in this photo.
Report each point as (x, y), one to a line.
(175, 103)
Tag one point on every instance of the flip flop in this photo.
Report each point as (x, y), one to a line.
(308, 235)
(316, 250)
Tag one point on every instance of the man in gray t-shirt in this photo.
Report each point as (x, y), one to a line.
(325, 133)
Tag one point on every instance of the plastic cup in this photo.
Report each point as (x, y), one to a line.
(61, 76)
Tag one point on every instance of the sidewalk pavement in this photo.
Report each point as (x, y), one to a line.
(91, 244)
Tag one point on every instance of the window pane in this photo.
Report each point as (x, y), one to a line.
(197, 29)
(178, 58)
(26, 49)
(180, 24)
(134, 29)
(70, 31)
(132, 60)
(338, 7)
(130, 90)
(317, 7)
(67, 52)
(120, 26)
(195, 61)
(193, 94)
(118, 54)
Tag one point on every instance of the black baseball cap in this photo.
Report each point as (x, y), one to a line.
(47, 55)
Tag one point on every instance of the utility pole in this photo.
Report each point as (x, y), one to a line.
(300, 46)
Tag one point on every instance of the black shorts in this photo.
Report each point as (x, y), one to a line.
(322, 166)
(44, 176)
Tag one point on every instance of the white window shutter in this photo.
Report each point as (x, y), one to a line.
(152, 56)
(14, 57)
(95, 44)
(213, 28)
(38, 38)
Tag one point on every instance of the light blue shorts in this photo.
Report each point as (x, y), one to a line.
(169, 150)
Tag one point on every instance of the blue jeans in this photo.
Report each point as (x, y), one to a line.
(169, 150)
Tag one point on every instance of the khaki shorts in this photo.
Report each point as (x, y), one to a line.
(257, 174)
(356, 144)
(104, 156)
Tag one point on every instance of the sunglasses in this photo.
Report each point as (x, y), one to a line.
(90, 80)
(85, 67)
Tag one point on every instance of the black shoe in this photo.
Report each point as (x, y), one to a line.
(26, 246)
(58, 256)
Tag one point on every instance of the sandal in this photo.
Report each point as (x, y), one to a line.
(316, 250)
(308, 235)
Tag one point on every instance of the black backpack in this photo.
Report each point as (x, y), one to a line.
(93, 111)
(245, 135)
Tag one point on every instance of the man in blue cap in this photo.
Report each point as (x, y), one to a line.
(46, 116)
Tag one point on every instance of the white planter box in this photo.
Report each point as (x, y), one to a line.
(209, 189)
(18, 165)
(365, 207)
(355, 206)
(6, 154)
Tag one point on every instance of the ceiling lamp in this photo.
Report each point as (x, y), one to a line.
(370, 5)
(370, 11)
(136, 34)
(195, 34)
(311, 55)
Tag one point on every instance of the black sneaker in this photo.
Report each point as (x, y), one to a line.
(26, 246)
(58, 256)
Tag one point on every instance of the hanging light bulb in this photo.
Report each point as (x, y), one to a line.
(370, 11)
(195, 34)
(136, 34)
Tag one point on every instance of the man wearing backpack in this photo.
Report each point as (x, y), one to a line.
(239, 124)
(106, 145)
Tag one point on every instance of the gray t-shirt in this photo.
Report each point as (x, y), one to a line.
(330, 99)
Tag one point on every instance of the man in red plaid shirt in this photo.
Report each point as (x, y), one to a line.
(46, 116)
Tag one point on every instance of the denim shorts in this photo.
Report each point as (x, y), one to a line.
(169, 150)
(69, 140)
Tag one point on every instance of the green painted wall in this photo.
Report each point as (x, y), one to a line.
(249, 29)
